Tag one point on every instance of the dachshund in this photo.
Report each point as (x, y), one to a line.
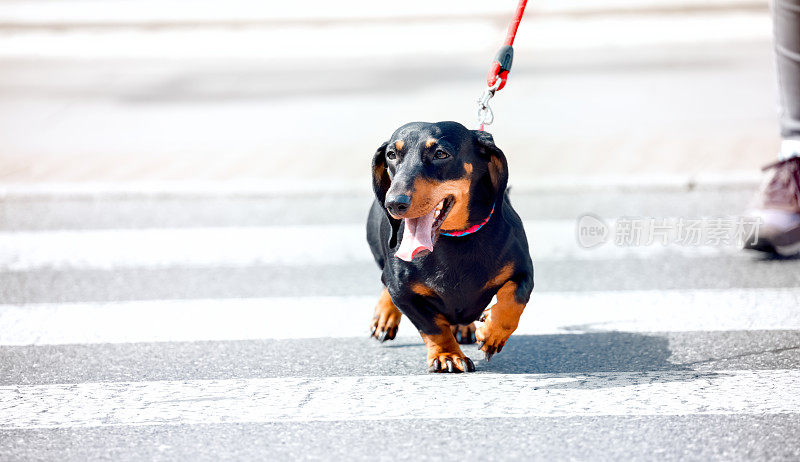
(444, 234)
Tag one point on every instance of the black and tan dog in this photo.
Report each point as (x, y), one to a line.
(444, 234)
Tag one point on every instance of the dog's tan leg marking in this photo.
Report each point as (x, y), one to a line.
(500, 320)
(444, 354)
(386, 319)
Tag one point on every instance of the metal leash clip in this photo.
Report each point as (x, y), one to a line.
(498, 71)
(485, 113)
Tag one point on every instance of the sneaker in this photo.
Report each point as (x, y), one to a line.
(779, 210)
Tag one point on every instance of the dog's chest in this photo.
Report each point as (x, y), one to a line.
(459, 286)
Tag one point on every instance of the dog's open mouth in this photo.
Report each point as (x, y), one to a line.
(420, 234)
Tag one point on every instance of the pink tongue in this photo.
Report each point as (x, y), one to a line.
(416, 236)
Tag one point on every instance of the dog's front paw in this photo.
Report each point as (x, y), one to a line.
(492, 335)
(444, 354)
(464, 333)
(386, 319)
(450, 362)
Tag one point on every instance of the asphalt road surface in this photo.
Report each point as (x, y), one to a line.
(215, 325)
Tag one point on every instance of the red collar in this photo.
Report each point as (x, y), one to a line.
(471, 229)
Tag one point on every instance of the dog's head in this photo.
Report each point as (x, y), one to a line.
(437, 177)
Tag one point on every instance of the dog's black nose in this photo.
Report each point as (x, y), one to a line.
(398, 205)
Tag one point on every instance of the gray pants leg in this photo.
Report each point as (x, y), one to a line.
(786, 15)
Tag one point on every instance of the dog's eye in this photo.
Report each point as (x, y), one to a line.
(441, 154)
(391, 155)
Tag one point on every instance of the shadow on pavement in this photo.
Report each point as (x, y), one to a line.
(583, 353)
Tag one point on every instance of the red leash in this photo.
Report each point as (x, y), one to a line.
(501, 66)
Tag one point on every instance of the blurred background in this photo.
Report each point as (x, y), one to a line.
(183, 268)
(147, 91)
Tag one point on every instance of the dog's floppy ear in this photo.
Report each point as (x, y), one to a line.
(380, 174)
(497, 164)
(380, 184)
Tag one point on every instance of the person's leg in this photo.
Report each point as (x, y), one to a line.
(779, 200)
(786, 19)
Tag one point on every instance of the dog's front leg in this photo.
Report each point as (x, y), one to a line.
(386, 319)
(500, 320)
(444, 354)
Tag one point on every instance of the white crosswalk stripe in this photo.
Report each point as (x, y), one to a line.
(275, 318)
(285, 245)
(371, 398)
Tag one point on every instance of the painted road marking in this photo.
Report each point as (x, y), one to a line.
(399, 397)
(275, 245)
(313, 317)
